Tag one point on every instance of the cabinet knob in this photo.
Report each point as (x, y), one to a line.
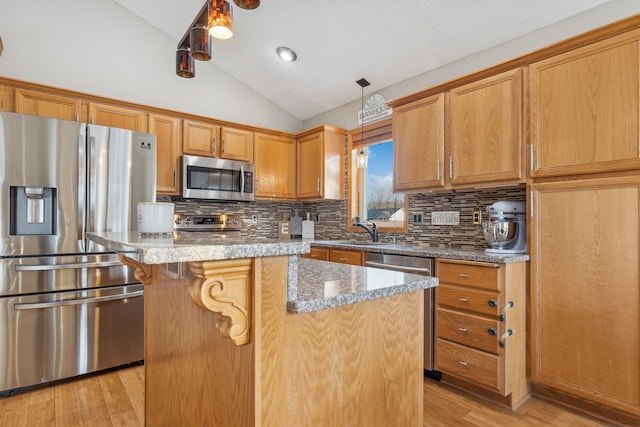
(492, 331)
(492, 303)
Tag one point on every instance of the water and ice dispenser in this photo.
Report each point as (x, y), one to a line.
(32, 211)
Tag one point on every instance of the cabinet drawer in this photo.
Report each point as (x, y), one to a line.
(346, 257)
(478, 276)
(468, 329)
(468, 299)
(473, 365)
(317, 253)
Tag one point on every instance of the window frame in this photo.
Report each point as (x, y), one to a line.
(372, 134)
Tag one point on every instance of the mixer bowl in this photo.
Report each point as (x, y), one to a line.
(499, 234)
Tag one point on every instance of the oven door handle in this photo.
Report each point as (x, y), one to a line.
(417, 270)
(75, 301)
(241, 179)
(69, 266)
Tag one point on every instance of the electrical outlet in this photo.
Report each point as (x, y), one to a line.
(254, 219)
(477, 217)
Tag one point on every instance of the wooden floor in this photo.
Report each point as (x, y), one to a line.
(117, 399)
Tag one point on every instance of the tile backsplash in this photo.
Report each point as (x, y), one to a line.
(332, 216)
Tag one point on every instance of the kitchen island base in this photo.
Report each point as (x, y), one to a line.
(350, 365)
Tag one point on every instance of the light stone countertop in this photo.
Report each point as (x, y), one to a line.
(323, 284)
(415, 250)
(312, 285)
(187, 247)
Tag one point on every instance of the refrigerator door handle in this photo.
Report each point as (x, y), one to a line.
(82, 191)
(68, 266)
(75, 301)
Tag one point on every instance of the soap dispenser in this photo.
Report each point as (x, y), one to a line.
(308, 228)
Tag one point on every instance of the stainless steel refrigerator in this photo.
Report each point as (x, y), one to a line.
(67, 305)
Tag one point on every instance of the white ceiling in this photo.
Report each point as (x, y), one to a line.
(340, 41)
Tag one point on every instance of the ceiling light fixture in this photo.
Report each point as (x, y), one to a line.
(247, 4)
(362, 156)
(214, 19)
(286, 54)
(221, 19)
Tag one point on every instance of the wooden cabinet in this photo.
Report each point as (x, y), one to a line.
(585, 293)
(418, 144)
(481, 325)
(117, 117)
(168, 138)
(320, 163)
(48, 105)
(202, 138)
(275, 166)
(345, 256)
(317, 253)
(584, 109)
(486, 131)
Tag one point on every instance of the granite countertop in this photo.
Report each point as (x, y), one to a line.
(186, 247)
(390, 248)
(317, 285)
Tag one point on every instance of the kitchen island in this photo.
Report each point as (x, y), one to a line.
(243, 332)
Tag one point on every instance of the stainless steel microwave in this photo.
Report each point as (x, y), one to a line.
(216, 179)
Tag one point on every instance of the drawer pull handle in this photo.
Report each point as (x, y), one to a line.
(504, 337)
(464, 276)
(343, 259)
(492, 331)
(461, 299)
(505, 309)
(463, 330)
(463, 362)
(492, 303)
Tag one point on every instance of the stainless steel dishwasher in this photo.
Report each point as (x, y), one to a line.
(415, 265)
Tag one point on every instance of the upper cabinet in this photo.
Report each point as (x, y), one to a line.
(275, 166)
(48, 105)
(486, 131)
(117, 117)
(584, 109)
(418, 144)
(320, 163)
(168, 137)
(203, 138)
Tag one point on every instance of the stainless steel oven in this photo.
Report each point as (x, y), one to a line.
(217, 179)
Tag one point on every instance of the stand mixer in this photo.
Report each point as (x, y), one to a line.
(506, 229)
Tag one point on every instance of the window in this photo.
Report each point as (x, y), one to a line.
(371, 195)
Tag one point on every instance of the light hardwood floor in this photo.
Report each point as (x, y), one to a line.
(116, 398)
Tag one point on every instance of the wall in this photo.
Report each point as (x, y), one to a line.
(615, 10)
(332, 222)
(100, 48)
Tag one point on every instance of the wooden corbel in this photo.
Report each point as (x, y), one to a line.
(224, 287)
(142, 271)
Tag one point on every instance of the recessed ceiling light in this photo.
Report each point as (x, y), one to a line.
(286, 54)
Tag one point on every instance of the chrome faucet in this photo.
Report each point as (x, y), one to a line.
(373, 232)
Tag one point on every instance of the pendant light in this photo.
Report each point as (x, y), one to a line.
(362, 156)
(221, 19)
(247, 4)
(200, 42)
(185, 64)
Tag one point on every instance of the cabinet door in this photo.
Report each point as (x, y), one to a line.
(418, 144)
(167, 130)
(486, 136)
(236, 144)
(275, 167)
(200, 138)
(47, 105)
(117, 117)
(310, 166)
(584, 109)
(585, 293)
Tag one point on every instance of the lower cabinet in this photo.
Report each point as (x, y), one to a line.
(481, 326)
(343, 256)
(585, 293)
